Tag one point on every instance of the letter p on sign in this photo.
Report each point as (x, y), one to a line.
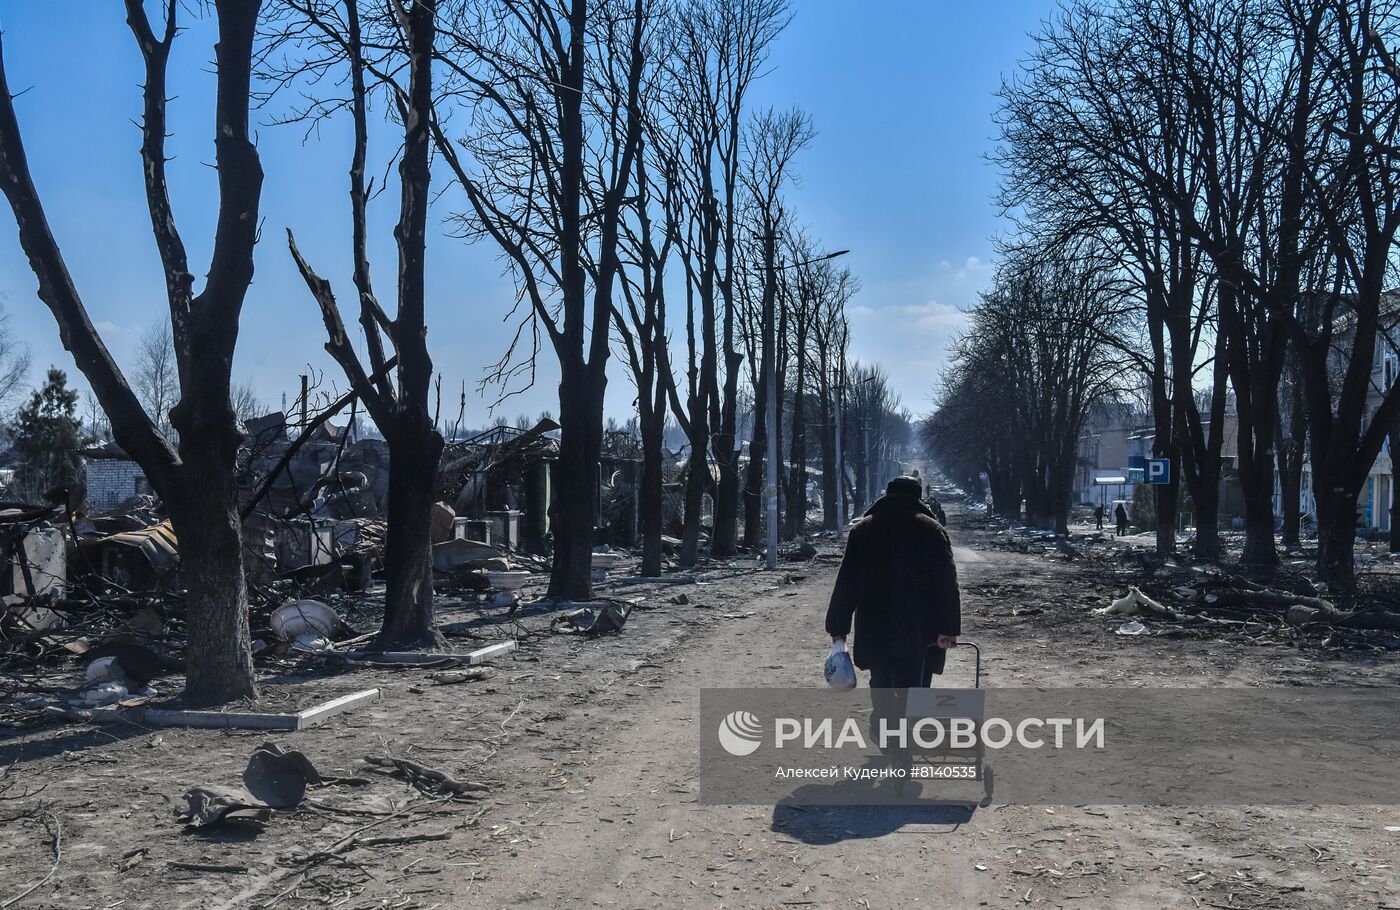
(1159, 471)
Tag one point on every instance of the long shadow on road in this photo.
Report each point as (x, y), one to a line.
(825, 825)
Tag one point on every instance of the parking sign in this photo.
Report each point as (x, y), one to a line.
(1159, 470)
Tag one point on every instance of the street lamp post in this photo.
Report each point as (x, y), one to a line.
(770, 353)
(840, 469)
(840, 386)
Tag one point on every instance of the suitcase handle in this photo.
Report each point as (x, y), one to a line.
(977, 660)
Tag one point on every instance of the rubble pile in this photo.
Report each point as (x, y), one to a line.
(1179, 597)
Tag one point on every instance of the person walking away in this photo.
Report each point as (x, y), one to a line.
(899, 587)
(937, 508)
(1121, 514)
(1098, 517)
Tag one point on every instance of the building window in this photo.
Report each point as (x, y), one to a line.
(141, 485)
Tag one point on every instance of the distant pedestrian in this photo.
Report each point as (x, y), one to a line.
(1121, 514)
(1098, 517)
(937, 508)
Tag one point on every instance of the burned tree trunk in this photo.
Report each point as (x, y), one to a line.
(828, 443)
(1336, 530)
(408, 551)
(204, 515)
(651, 492)
(1291, 454)
(1394, 447)
(753, 474)
(197, 484)
(695, 483)
(797, 457)
(580, 447)
(399, 408)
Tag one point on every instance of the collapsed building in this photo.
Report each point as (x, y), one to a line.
(313, 500)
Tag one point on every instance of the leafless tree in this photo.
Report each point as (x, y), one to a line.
(14, 363)
(872, 425)
(641, 316)
(154, 374)
(772, 141)
(1043, 333)
(245, 401)
(552, 90)
(831, 333)
(1082, 146)
(719, 48)
(195, 479)
(390, 52)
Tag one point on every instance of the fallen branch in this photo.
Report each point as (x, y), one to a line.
(331, 410)
(1302, 610)
(426, 778)
(404, 839)
(207, 867)
(56, 832)
(1275, 600)
(453, 677)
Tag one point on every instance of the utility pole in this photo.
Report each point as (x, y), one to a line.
(840, 469)
(770, 486)
(305, 394)
(840, 385)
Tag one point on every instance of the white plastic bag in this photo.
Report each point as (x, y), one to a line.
(840, 672)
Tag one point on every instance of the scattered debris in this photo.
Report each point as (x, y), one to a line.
(277, 778)
(425, 778)
(1136, 603)
(800, 552)
(604, 617)
(432, 658)
(309, 623)
(208, 806)
(460, 554)
(454, 677)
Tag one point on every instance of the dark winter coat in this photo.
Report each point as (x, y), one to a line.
(898, 581)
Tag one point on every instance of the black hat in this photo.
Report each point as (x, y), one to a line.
(904, 488)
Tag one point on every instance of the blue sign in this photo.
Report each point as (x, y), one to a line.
(1159, 471)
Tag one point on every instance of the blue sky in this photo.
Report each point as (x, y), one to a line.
(900, 93)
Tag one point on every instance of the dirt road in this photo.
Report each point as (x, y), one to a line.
(589, 746)
(634, 835)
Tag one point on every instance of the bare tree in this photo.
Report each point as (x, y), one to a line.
(641, 320)
(1082, 146)
(553, 90)
(398, 404)
(831, 338)
(872, 405)
(96, 422)
(196, 480)
(773, 139)
(245, 401)
(719, 50)
(1044, 330)
(14, 363)
(154, 375)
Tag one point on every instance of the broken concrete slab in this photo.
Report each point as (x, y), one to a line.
(456, 554)
(433, 657)
(249, 720)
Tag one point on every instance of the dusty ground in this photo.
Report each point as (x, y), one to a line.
(589, 747)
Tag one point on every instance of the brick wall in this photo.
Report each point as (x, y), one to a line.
(112, 480)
